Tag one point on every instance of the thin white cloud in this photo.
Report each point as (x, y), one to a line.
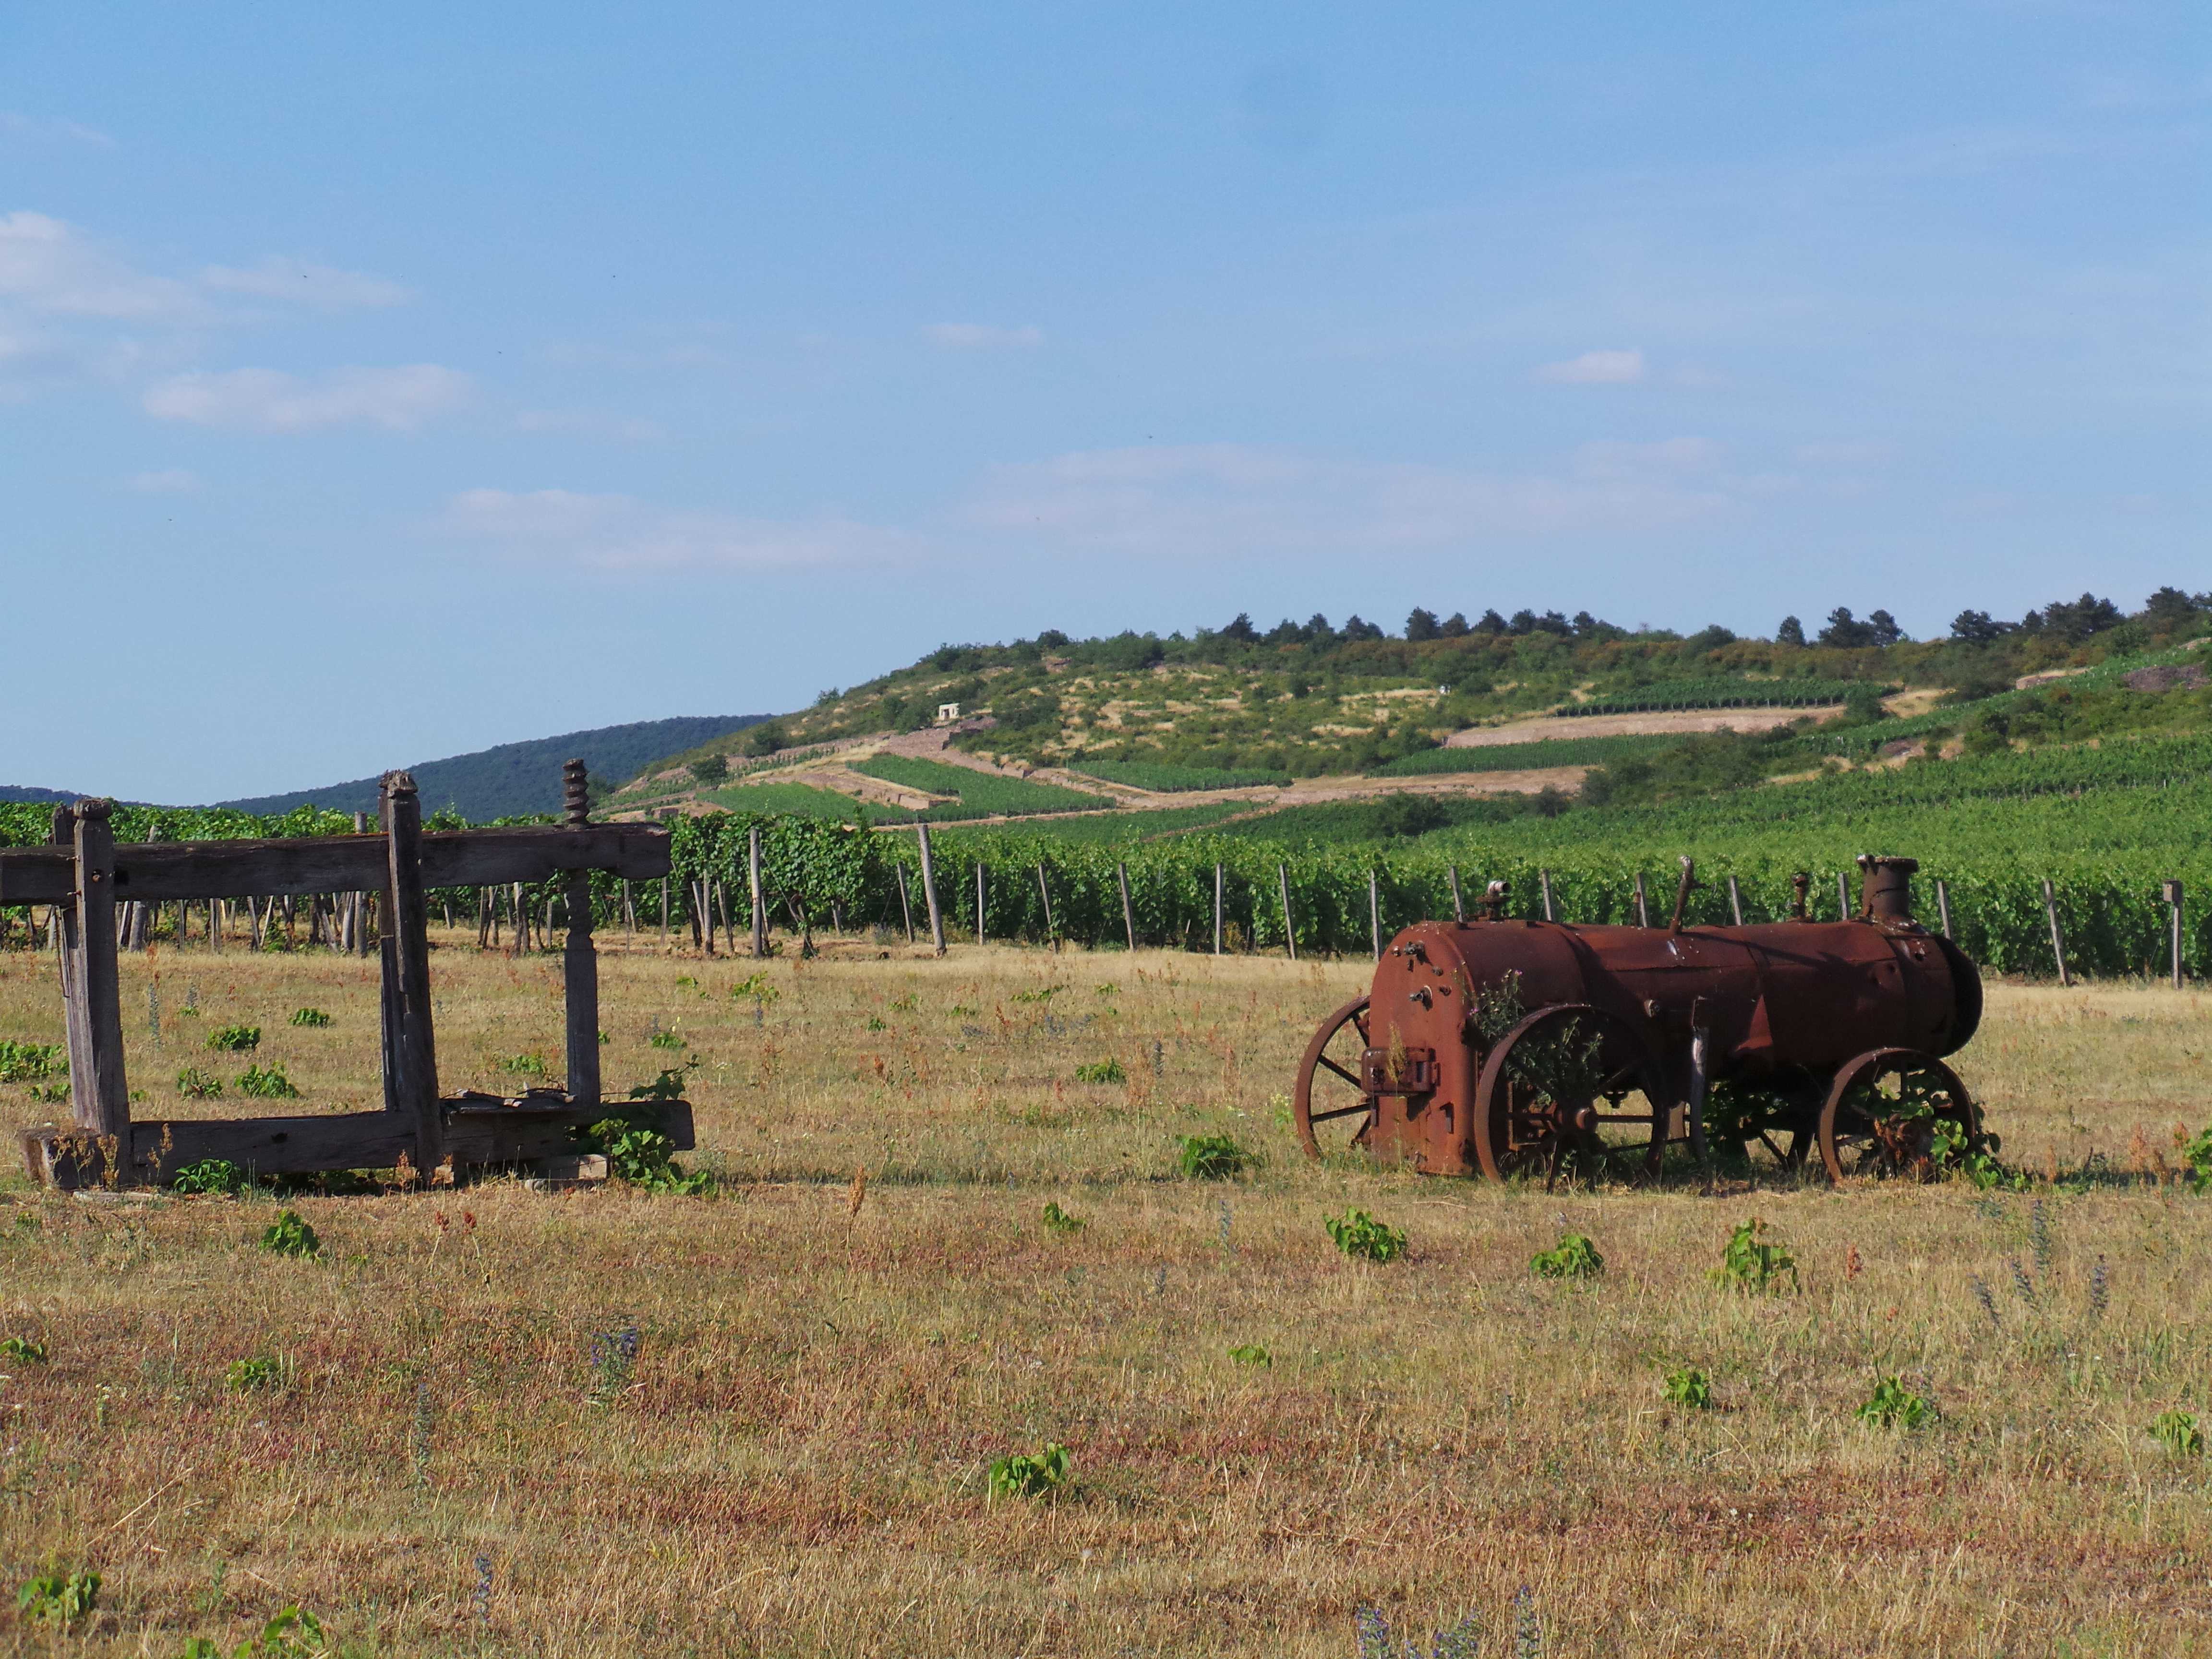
(18, 125)
(590, 424)
(169, 481)
(267, 400)
(1248, 501)
(982, 337)
(47, 267)
(296, 282)
(621, 533)
(1596, 368)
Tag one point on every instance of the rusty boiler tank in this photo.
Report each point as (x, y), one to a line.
(1510, 1046)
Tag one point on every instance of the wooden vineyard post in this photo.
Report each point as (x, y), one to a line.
(1544, 882)
(664, 915)
(2172, 890)
(1943, 905)
(413, 1051)
(760, 911)
(100, 1097)
(1458, 904)
(580, 962)
(2057, 941)
(1129, 910)
(1051, 933)
(357, 925)
(980, 895)
(1375, 912)
(906, 905)
(630, 916)
(1735, 902)
(1290, 930)
(929, 894)
(1642, 905)
(1842, 897)
(1217, 910)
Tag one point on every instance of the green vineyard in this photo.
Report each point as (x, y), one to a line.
(2105, 825)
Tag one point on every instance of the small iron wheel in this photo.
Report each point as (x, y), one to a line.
(1568, 1082)
(1885, 1113)
(1340, 1102)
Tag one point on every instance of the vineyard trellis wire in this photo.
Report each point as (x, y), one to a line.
(814, 871)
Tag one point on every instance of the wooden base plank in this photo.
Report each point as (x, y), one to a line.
(480, 1132)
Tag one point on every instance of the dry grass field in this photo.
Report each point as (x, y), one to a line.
(456, 1452)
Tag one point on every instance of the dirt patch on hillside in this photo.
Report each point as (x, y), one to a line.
(1660, 722)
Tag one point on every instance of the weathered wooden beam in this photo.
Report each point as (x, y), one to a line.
(99, 1096)
(476, 1132)
(416, 1049)
(310, 864)
(580, 962)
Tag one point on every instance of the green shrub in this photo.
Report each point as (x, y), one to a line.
(22, 1350)
(266, 1083)
(263, 1372)
(1360, 1235)
(61, 1600)
(193, 1083)
(1688, 1387)
(21, 1062)
(530, 1065)
(311, 1017)
(2178, 1431)
(668, 1086)
(1750, 1263)
(644, 1157)
(1251, 1353)
(208, 1174)
(289, 1236)
(1059, 1220)
(1101, 1071)
(1210, 1158)
(234, 1039)
(1575, 1258)
(1892, 1406)
(2196, 1157)
(1043, 1473)
(660, 1040)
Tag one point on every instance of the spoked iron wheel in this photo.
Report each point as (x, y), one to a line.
(1896, 1112)
(1334, 1113)
(1569, 1084)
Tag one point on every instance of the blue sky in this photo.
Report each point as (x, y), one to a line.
(378, 383)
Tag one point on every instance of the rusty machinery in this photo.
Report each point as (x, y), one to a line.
(1512, 1047)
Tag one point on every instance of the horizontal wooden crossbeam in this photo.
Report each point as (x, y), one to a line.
(479, 1130)
(152, 870)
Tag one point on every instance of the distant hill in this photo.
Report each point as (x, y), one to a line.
(514, 778)
(18, 794)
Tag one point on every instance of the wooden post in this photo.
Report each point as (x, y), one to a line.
(580, 963)
(929, 891)
(1290, 929)
(100, 1097)
(1943, 905)
(1051, 933)
(407, 925)
(753, 891)
(1843, 896)
(1458, 904)
(980, 896)
(630, 916)
(1217, 910)
(664, 912)
(1544, 882)
(722, 911)
(359, 906)
(1375, 912)
(1129, 910)
(906, 904)
(2172, 890)
(1735, 902)
(1642, 905)
(2057, 942)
